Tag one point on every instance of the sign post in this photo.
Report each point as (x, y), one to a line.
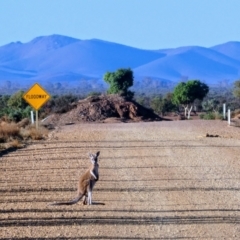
(36, 119)
(32, 117)
(36, 96)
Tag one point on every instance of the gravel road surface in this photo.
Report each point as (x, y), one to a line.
(159, 180)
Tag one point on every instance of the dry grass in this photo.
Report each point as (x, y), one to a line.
(14, 135)
(15, 143)
(30, 132)
(8, 131)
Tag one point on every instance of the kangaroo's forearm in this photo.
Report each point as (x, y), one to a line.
(92, 173)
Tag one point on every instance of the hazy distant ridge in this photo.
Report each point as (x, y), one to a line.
(60, 58)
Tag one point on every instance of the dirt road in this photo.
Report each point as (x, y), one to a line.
(162, 180)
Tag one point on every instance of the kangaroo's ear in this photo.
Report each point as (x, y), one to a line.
(98, 153)
(91, 158)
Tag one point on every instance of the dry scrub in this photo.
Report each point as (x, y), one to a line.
(8, 131)
(14, 135)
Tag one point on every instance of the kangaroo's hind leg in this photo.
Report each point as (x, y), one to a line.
(89, 198)
(89, 193)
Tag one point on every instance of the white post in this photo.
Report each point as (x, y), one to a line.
(36, 119)
(224, 111)
(229, 116)
(32, 117)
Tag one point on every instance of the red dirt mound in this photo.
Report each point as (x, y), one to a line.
(104, 108)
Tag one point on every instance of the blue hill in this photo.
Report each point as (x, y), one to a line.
(230, 49)
(58, 58)
(192, 62)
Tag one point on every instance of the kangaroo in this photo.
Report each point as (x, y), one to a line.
(86, 183)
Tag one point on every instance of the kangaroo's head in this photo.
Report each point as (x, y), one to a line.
(94, 158)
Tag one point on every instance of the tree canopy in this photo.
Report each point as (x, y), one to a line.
(120, 81)
(18, 108)
(236, 90)
(17, 101)
(185, 93)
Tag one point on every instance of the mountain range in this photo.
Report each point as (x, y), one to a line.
(57, 59)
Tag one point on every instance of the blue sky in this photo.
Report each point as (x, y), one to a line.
(146, 24)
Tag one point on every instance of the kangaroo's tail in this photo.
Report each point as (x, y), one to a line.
(77, 199)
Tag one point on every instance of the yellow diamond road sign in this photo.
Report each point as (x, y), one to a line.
(36, 96)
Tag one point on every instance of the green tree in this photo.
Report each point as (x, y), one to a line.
(185, 93)
(161, 105)
(236, 90)
(120, 81)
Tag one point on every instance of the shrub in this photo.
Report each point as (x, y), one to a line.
(59, 104)
(162, 105)
(94, 94)
(211, 116)
(157, 104)
(219, 116)
(36, 134)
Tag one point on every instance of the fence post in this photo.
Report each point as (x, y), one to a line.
(224, 111)
(229, 116)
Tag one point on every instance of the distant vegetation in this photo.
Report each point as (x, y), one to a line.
(236, 90)
(15, 124)
(59, 104)
(211, 106)
(190, 95)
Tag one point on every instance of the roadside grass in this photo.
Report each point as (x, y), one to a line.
(9, 131)
(15, 135)
(211, 116)
(30, 132)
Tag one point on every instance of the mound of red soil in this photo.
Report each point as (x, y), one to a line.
(104, 108)
(237, 116)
